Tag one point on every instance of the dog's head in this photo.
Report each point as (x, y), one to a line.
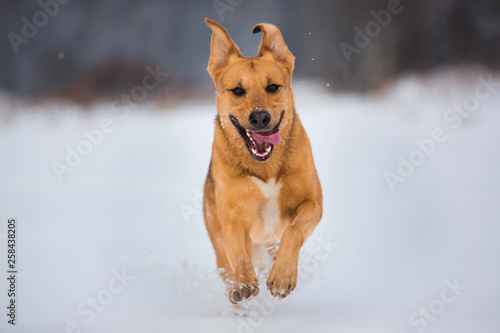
(254, 94)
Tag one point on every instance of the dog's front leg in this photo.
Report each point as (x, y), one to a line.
(238, 246)
(283, 276)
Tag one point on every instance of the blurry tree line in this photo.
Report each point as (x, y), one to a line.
(86, 49)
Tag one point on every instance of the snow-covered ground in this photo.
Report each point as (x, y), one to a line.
(118, 244)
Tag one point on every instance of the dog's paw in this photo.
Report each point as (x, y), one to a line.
(282, 280)
(243, 292)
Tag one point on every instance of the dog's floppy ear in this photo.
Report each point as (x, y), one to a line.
(222, 48)
(272, 43)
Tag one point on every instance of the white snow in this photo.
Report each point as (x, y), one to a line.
(132, 208)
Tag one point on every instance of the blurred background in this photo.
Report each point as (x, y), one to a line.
(106, 129)
(84, 50)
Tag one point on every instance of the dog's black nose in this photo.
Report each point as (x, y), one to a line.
(259, 119)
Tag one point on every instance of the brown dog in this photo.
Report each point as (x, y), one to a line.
(262, 186)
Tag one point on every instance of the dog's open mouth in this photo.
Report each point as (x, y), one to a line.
(260, 143)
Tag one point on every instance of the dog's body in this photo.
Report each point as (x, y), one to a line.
(262, 186)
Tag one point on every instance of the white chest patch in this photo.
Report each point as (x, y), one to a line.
(269, 210)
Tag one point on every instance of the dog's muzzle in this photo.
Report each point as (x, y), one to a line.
(260, 142)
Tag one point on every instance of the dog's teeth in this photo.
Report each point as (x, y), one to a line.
(264, 154)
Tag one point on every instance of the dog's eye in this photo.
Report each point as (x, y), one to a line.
(238, 91)
(272, 88)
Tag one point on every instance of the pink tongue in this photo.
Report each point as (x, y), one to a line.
(273, 139)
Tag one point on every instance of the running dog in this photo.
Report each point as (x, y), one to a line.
(262, 186)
